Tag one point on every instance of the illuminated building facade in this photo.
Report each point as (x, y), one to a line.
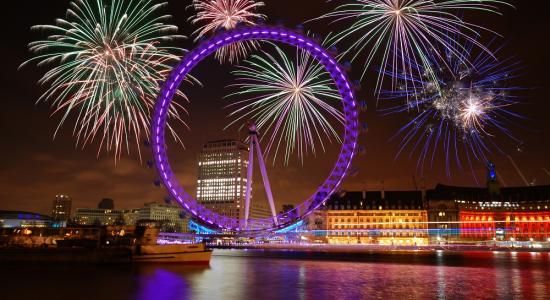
(259, 210)
(445, 214)
(14, 219)
(130, 216)
(317, 225)
(512, 214)
(388, 218)
(221, 182)
(171, 217)
(97, 216)
(443, 220)
(61, 210)
(502, 225)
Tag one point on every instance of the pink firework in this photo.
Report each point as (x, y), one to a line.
(213, 15)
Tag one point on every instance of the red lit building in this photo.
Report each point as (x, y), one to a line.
(512, 213)
(500, 225)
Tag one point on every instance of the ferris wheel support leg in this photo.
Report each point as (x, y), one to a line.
(248, 183)
(267, 186)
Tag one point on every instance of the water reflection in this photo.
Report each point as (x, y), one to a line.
(162, 284)
(441, 287)
(258, 275)
(476, 275)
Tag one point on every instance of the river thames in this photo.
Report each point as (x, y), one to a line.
(256, 274)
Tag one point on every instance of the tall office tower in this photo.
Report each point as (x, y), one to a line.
(61, 210)
(221, 182)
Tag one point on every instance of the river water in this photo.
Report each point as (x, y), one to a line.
(241, 274)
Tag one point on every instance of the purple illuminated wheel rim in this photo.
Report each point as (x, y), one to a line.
(329, 186)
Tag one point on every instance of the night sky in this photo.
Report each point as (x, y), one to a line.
(35, 167)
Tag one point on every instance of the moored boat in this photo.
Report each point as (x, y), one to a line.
(149, 251)
(185, 253)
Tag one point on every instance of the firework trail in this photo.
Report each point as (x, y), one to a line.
(107, 59)
(213, 15)
(396, 34)
(293, 101)
(462, 112)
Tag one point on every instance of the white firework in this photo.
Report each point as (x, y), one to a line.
(213, 15)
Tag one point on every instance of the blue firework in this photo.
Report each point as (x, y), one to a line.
(459, 112)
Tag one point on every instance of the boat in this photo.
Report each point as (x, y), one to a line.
(149, 251)
(181, 253)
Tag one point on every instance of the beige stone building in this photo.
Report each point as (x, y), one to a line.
(386, 218)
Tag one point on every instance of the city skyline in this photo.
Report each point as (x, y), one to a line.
(53, 167)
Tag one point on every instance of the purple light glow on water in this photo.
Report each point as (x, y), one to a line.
(205, 49)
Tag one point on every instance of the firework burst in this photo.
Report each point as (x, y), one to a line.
(226, 14)
(109, 58)
(402, 32)
(463, 112)
(293, 101)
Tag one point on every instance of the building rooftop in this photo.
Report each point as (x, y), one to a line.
(374, 200)
(227, 143)
(368, 200)
(507, 194)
